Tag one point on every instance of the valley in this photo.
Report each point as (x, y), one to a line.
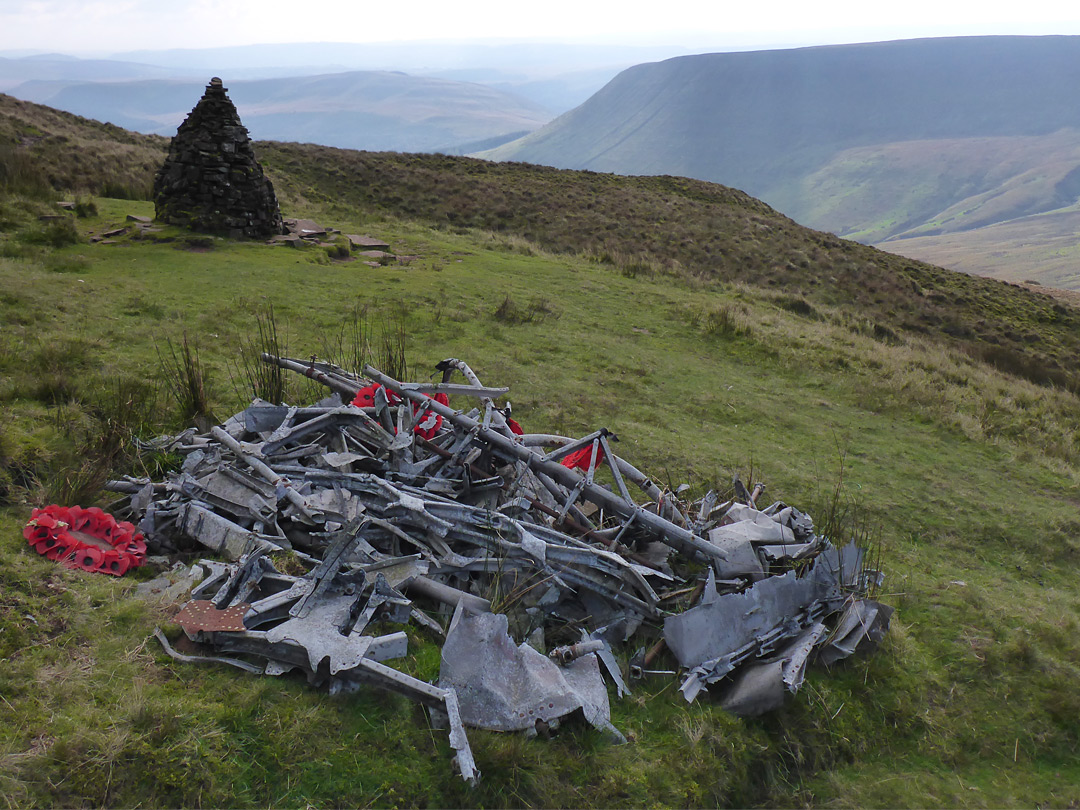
(877, 142)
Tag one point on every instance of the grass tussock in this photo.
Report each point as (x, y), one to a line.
(392, 350)
(56, 233)
(510, 311)
(261, 380)
(723, 320)
(102, 436)
(187, 381)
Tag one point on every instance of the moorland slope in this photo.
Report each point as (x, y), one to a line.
(688, 228)
(875, 142)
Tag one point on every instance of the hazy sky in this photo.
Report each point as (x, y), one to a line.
(118, 25)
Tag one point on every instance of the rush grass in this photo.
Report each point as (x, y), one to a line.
(969, 476)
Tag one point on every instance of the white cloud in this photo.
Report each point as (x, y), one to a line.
(81, 25)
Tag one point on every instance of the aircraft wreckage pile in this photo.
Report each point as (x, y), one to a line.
(403, 509)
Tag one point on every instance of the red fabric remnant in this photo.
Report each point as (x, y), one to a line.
(515, 428)
(429, 422)
(580, 458)
(53, 532)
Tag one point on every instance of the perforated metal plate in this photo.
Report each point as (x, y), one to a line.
(202, 615)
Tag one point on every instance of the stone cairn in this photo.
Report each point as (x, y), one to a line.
(211, 181)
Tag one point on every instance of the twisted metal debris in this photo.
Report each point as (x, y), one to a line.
(401, 509)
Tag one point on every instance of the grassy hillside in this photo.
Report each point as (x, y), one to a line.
(673, 227)
(977, 680)
(965, 477)
(867, 141)
(1000, 207)
(757, 120)
(44, 151)
(698, 232)
(929, 187)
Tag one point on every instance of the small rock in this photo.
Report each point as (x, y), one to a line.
(173, 585)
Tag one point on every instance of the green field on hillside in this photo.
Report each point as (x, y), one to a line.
(964, 477)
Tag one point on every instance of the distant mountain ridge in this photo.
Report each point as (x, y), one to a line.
(822, 133)
(58, 67)
(556, 75)
(376, 110)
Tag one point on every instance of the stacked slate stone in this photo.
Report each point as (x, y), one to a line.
(211, 181)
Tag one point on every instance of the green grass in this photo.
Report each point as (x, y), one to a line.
(966, 476)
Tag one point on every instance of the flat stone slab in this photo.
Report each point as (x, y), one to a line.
(366, 242)
(304, 227)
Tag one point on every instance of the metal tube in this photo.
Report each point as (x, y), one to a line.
(333, 382)
(294, 497)
(447, 595)
(679, 538)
